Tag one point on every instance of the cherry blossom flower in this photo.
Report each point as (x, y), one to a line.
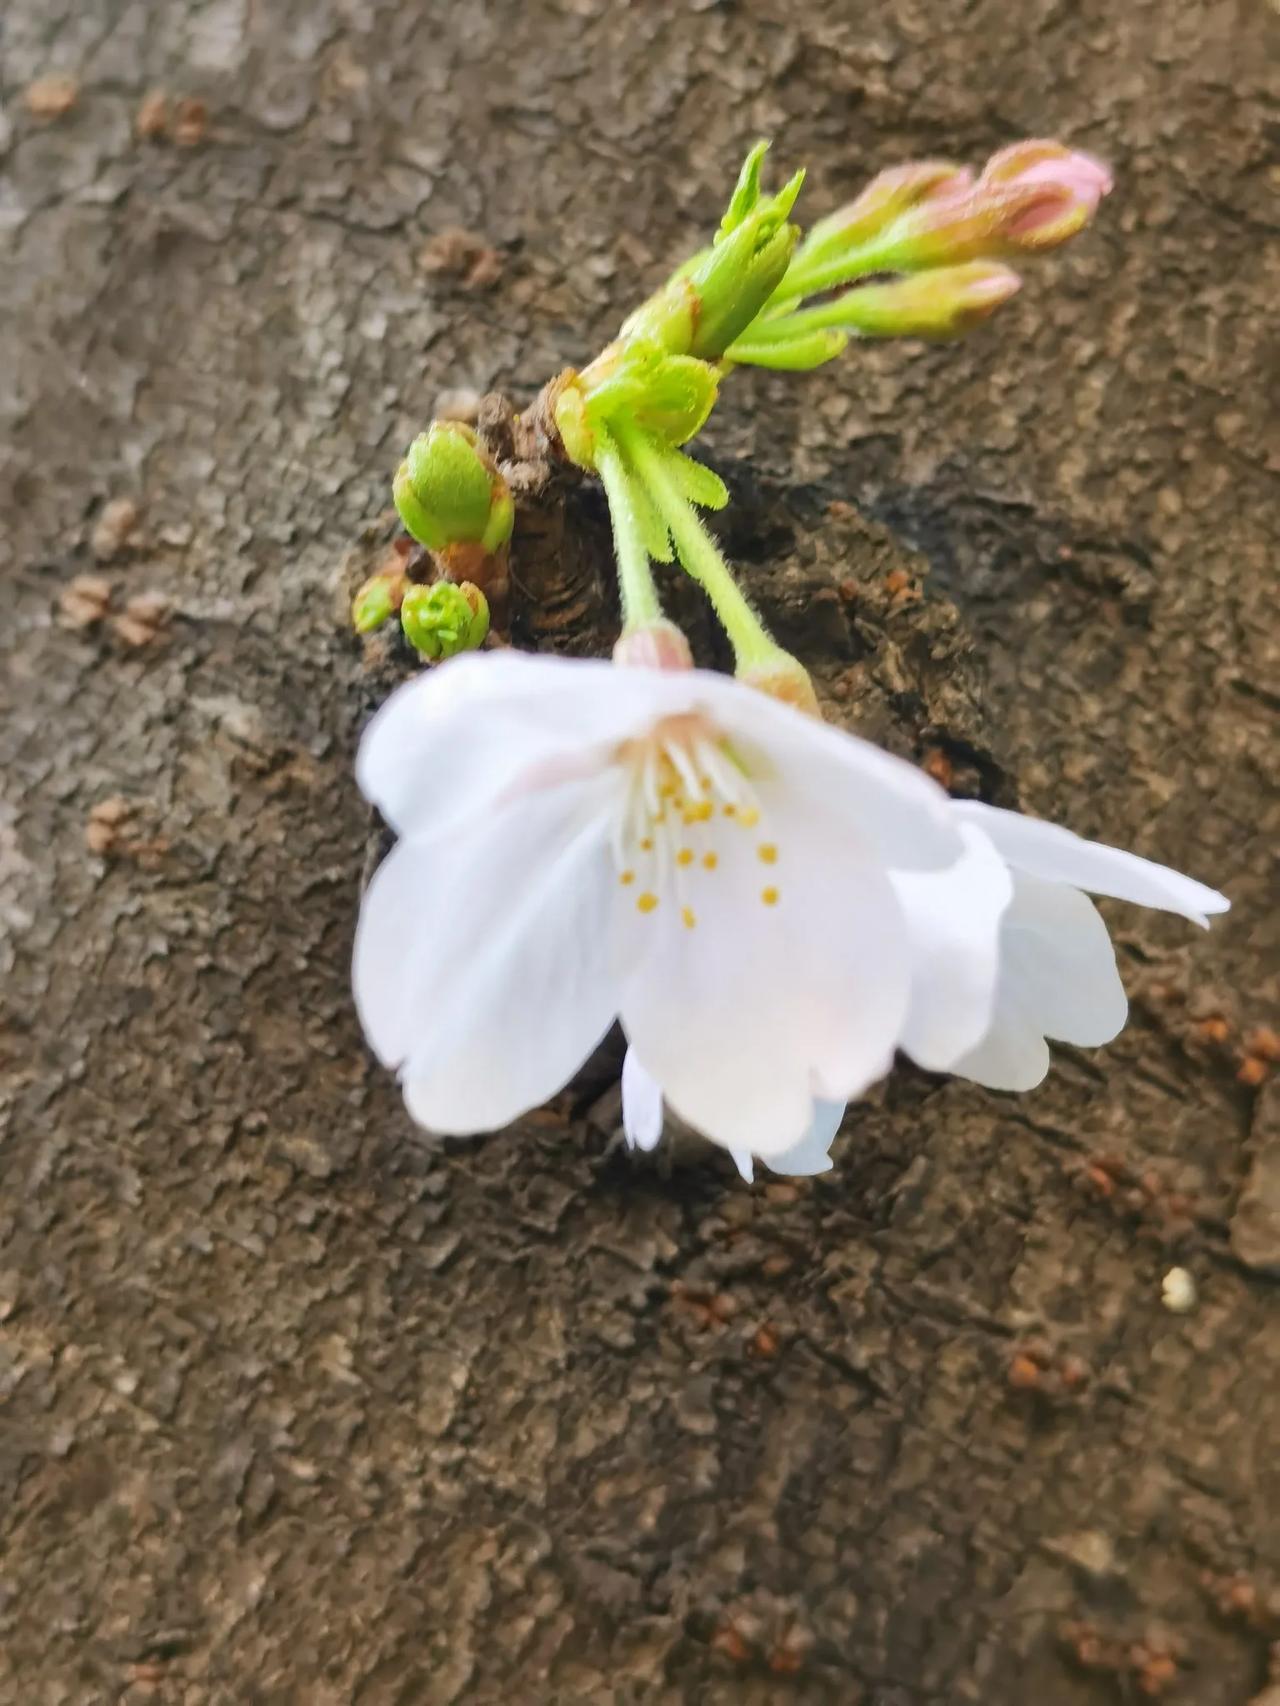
(771, 907)
(581, 842)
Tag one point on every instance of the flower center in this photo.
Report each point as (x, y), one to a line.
(688, 807)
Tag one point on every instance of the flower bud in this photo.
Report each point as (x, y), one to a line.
(667, 396)
(940, 303)
(658, 645)
(1031, 196)
(448, 491)
(885, 198)
(740, 273)
(445, 618)
(714, 296)
(380, 597)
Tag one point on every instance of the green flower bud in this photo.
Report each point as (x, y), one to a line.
(669, 396)
(943, 302)
(445, 618)
(708, 301)
(735, 280)
(379, 598)
(448, 492)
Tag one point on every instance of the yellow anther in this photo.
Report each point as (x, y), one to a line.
(646, 846)
(686, 913)
(685, 856)
(731, 810)
(646, 902)
(667, 791)
(768, 853)
(769, 896)
(710, 860)
(748, 817)
(625, 877)
(699, 812)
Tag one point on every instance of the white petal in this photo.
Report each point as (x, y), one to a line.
(1012, 1056)
(460, 736)
(481, 961)
(1060, 964)
(813, 1152)
(641, 1104)
(744, 1161)
(953, 925)
(758, 1008)
(1058, 979)
(890, 805)
(1055, 854)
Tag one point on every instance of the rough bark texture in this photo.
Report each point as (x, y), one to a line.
(297, 1410)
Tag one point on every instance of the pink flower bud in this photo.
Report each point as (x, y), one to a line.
(1083, 175)
(1031, 196)
(658, 645)
(942, 302)
(889, 195)
(1046, 193)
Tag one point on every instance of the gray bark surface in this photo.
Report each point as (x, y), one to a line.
(295, 1409)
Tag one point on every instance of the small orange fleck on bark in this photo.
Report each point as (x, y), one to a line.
(1074, 1373)
(728, 1641)
(1024, 1374)
(151, 121)
(190, 122)
(84, 600)
(764, 1342)
(1253, 1071)
(114, 528)
(52, 97)
(1214, 1029)
(144, 616)
(939, 766)
(106, 819)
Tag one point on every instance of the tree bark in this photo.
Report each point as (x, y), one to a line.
(296, 1408)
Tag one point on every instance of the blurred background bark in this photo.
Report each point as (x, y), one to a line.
(297, 1410)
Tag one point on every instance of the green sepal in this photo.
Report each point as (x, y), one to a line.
(653, 529)
(746, 192)
(697, 482)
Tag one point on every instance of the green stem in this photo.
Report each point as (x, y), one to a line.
(639, 595)
(752, 644)
(809, 275)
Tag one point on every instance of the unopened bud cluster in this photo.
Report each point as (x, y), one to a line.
(452, 499)
(924, 251)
